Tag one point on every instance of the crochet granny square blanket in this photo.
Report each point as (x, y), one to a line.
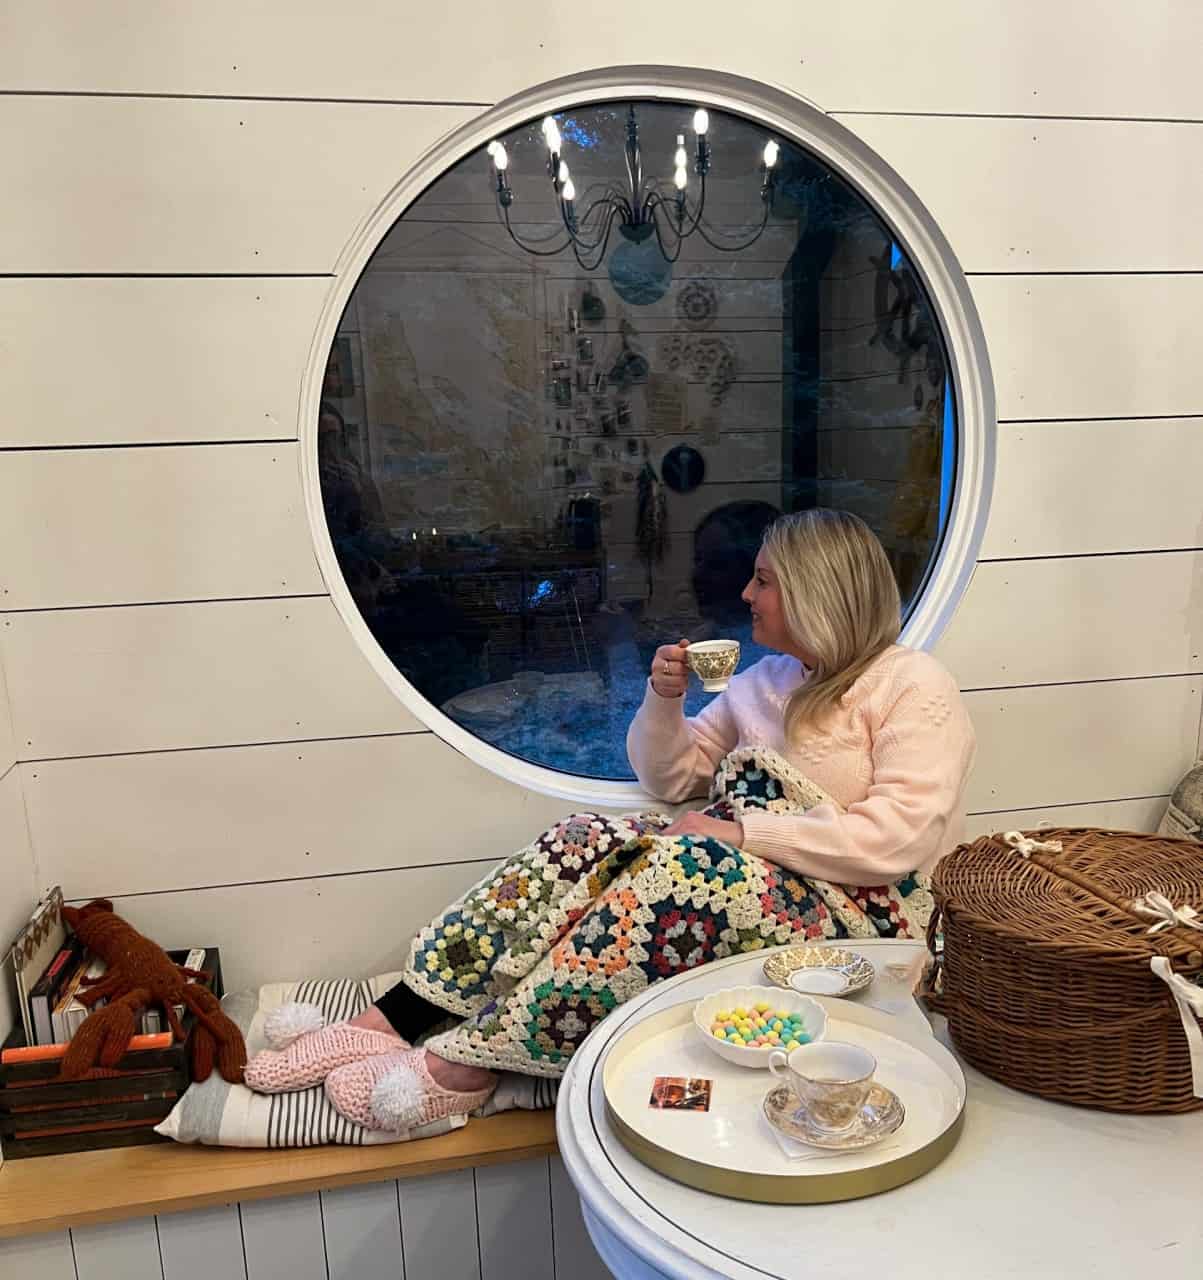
(597, 908)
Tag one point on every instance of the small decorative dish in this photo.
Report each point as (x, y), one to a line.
(882, 1114)
(821, 971)
(746, 1012)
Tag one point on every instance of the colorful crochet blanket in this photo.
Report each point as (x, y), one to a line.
(596, 909)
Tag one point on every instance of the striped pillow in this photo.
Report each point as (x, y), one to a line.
(219, 1114)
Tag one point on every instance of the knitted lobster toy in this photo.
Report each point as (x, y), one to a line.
(140, 973)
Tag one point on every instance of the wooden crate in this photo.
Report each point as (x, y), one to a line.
(41, 1115)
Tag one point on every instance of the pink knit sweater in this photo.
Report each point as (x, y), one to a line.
(895, 755)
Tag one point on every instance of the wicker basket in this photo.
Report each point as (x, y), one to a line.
(1045, 975)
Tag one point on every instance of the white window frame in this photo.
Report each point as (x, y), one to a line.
(788, 116)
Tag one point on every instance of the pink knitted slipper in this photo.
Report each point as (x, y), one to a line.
(397, 1093)
(305, 1052)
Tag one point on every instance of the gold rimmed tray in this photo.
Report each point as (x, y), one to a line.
(731, 1149)
(850, 967)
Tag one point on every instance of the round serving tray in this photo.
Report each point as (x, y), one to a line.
(730, 1150)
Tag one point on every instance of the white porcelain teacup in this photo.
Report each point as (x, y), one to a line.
(831, 1079)
(714, 662)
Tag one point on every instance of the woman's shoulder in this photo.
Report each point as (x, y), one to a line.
(901, 669)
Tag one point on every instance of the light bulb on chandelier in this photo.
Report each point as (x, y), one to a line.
(654, 222)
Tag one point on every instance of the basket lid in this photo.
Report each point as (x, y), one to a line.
(1079, 896)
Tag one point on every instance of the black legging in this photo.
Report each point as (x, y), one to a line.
(408, 1014)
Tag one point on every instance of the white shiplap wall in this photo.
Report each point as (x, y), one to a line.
(194, 731)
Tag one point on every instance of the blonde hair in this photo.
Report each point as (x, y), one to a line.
(839, 600)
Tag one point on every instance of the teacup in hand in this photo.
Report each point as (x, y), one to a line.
(830, 1079)
(714, 662)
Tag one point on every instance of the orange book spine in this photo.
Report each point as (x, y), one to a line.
(46, 1052)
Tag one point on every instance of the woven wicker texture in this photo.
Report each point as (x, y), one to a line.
(1045, 976)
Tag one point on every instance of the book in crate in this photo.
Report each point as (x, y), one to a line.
(43, 1115)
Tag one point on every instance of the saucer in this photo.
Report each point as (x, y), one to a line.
(820, 971)
(881, 1115)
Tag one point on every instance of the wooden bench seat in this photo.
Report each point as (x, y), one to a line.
(52, 1192)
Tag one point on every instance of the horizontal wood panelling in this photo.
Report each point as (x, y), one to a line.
(1107, 346)
(121, 361)
(92, 681)
(1082, 618)
(251, 186)
(223, 359)
(138, 525)
(1121, 815)
(19, 892)
(1044, 195)
(1072, 488)
(258, 187)
(1080, 743)
(8, 743)
(172, 820)
(1078, 57)
(320, 928)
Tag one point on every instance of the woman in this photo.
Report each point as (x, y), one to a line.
(836, 768)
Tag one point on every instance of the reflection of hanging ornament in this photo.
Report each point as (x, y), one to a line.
(708, 358)
(697, 305)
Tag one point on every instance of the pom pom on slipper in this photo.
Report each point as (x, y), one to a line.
(291, 1021)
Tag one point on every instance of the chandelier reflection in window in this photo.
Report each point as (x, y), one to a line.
(653, 220)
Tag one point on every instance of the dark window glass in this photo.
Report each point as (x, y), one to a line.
(536, 469)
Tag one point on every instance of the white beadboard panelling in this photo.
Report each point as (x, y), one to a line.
(280, 931)
(184, 185)
(1119, 815)
(1072, 488)
(438, 1227)
(362, 1228)
(118, 1251)
(1001, 189)
(1078, 57)
(283, 1238)
(203, 1244)
(267, 813)
(1082, 618)
(90, 681)
(118, 361)
(513, 1218)
(1106, 346)
(43, 1257)
(1080, 743)
(576, 1258)
(146, 525)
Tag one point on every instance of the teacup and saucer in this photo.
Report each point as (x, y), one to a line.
(828, 1097)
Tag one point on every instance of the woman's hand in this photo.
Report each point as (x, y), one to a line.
(670, 673)
(698, 824)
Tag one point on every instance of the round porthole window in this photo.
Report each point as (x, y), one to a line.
(604, 337)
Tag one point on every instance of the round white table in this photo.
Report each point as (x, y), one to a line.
(1032, 1191)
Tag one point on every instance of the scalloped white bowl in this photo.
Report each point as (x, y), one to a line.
(814, 1019)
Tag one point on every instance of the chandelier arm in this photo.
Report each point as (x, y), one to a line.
(605, 242)
(669, 258)
(525, 247)
(703, 231)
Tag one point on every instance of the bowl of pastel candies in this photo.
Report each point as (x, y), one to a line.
(745, 1024)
